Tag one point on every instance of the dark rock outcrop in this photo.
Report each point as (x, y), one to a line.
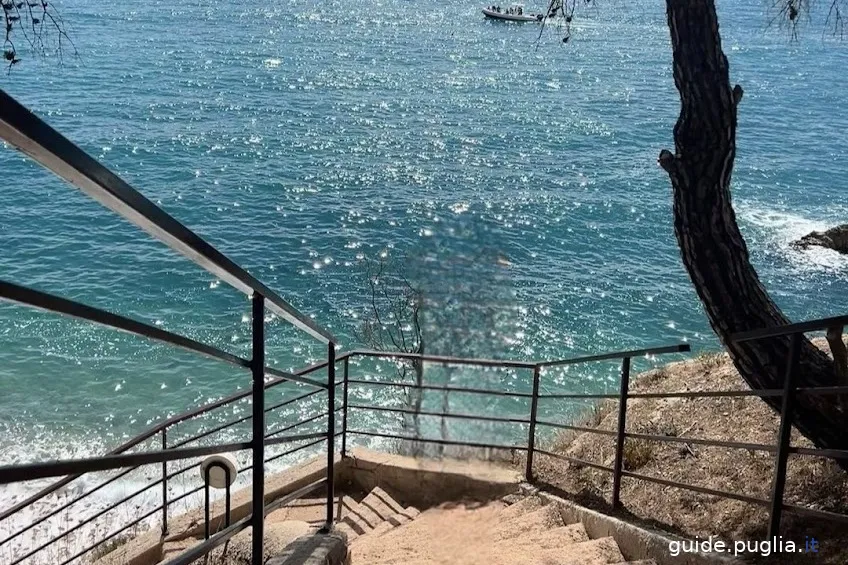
(835, 238)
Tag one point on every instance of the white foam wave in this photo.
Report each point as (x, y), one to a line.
(779, 229)
(87, 520)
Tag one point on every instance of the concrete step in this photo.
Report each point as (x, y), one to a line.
(356, 523)
(551, 539)
(381, 503)
(382, 529)
(312, 549)
(397, 519)
(364, 513)
(536, 521)
(524, 506)
(404, 516)
(349, 533)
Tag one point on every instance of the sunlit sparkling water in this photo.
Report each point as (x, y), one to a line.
(301, 136)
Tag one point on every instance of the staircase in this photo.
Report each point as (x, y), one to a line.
(515, 530)
(373, 516)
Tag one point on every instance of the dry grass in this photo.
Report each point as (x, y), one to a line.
(814, 482)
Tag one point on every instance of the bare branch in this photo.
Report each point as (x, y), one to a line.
(27, 19)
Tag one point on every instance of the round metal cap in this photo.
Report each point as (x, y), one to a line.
(217, 476)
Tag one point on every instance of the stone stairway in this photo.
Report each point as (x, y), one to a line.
(515, 530)
(373, 516)
(518, 529)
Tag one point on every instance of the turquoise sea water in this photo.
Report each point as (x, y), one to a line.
(299, 136)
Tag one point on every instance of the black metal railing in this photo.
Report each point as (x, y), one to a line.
(782, 449)
(32, 136)
(46, 146)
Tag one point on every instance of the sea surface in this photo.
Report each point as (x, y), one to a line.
(509, 176)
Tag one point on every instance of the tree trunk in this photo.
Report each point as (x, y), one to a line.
(713, 250)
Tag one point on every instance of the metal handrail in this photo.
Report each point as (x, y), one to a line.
(29, 134)
(790, 329)
(43, 144)
(51, 303)
(157, 428)
(676, 348)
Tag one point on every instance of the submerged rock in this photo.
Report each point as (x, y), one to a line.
(835, 238)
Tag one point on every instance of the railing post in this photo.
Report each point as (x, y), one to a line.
(164, 485)
(779, 480)
(531, 440)
(344, 409)
(622, 421)
(257, 520)
(206, 506)
(331, 430)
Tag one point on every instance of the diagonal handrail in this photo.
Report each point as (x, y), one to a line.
(43, 301)
(43, 144)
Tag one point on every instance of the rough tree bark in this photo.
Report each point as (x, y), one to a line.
(713, 250)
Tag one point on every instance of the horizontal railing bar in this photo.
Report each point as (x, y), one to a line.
(822, 390)
(289, 439)
(577, 428)
(32, 471)
(820, 452)
(442, 359)
(759, 393)
(242, 419)
(299, 448)
(702, 490)
(52, 303)
(762, 393)
(788, 329)
(598, 396)
(440, 414)
(113, 534)
(188, 493)
(291, 426)
(438, 441)
(575, 460)
(821, 514)
(677, 348)
(211, 431)
(705, 442)
(292, 400)
(286, 376)
(299, 493)
(43, 144)
(441, 388)
(182, 470)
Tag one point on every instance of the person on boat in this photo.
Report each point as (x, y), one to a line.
(520, 10)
